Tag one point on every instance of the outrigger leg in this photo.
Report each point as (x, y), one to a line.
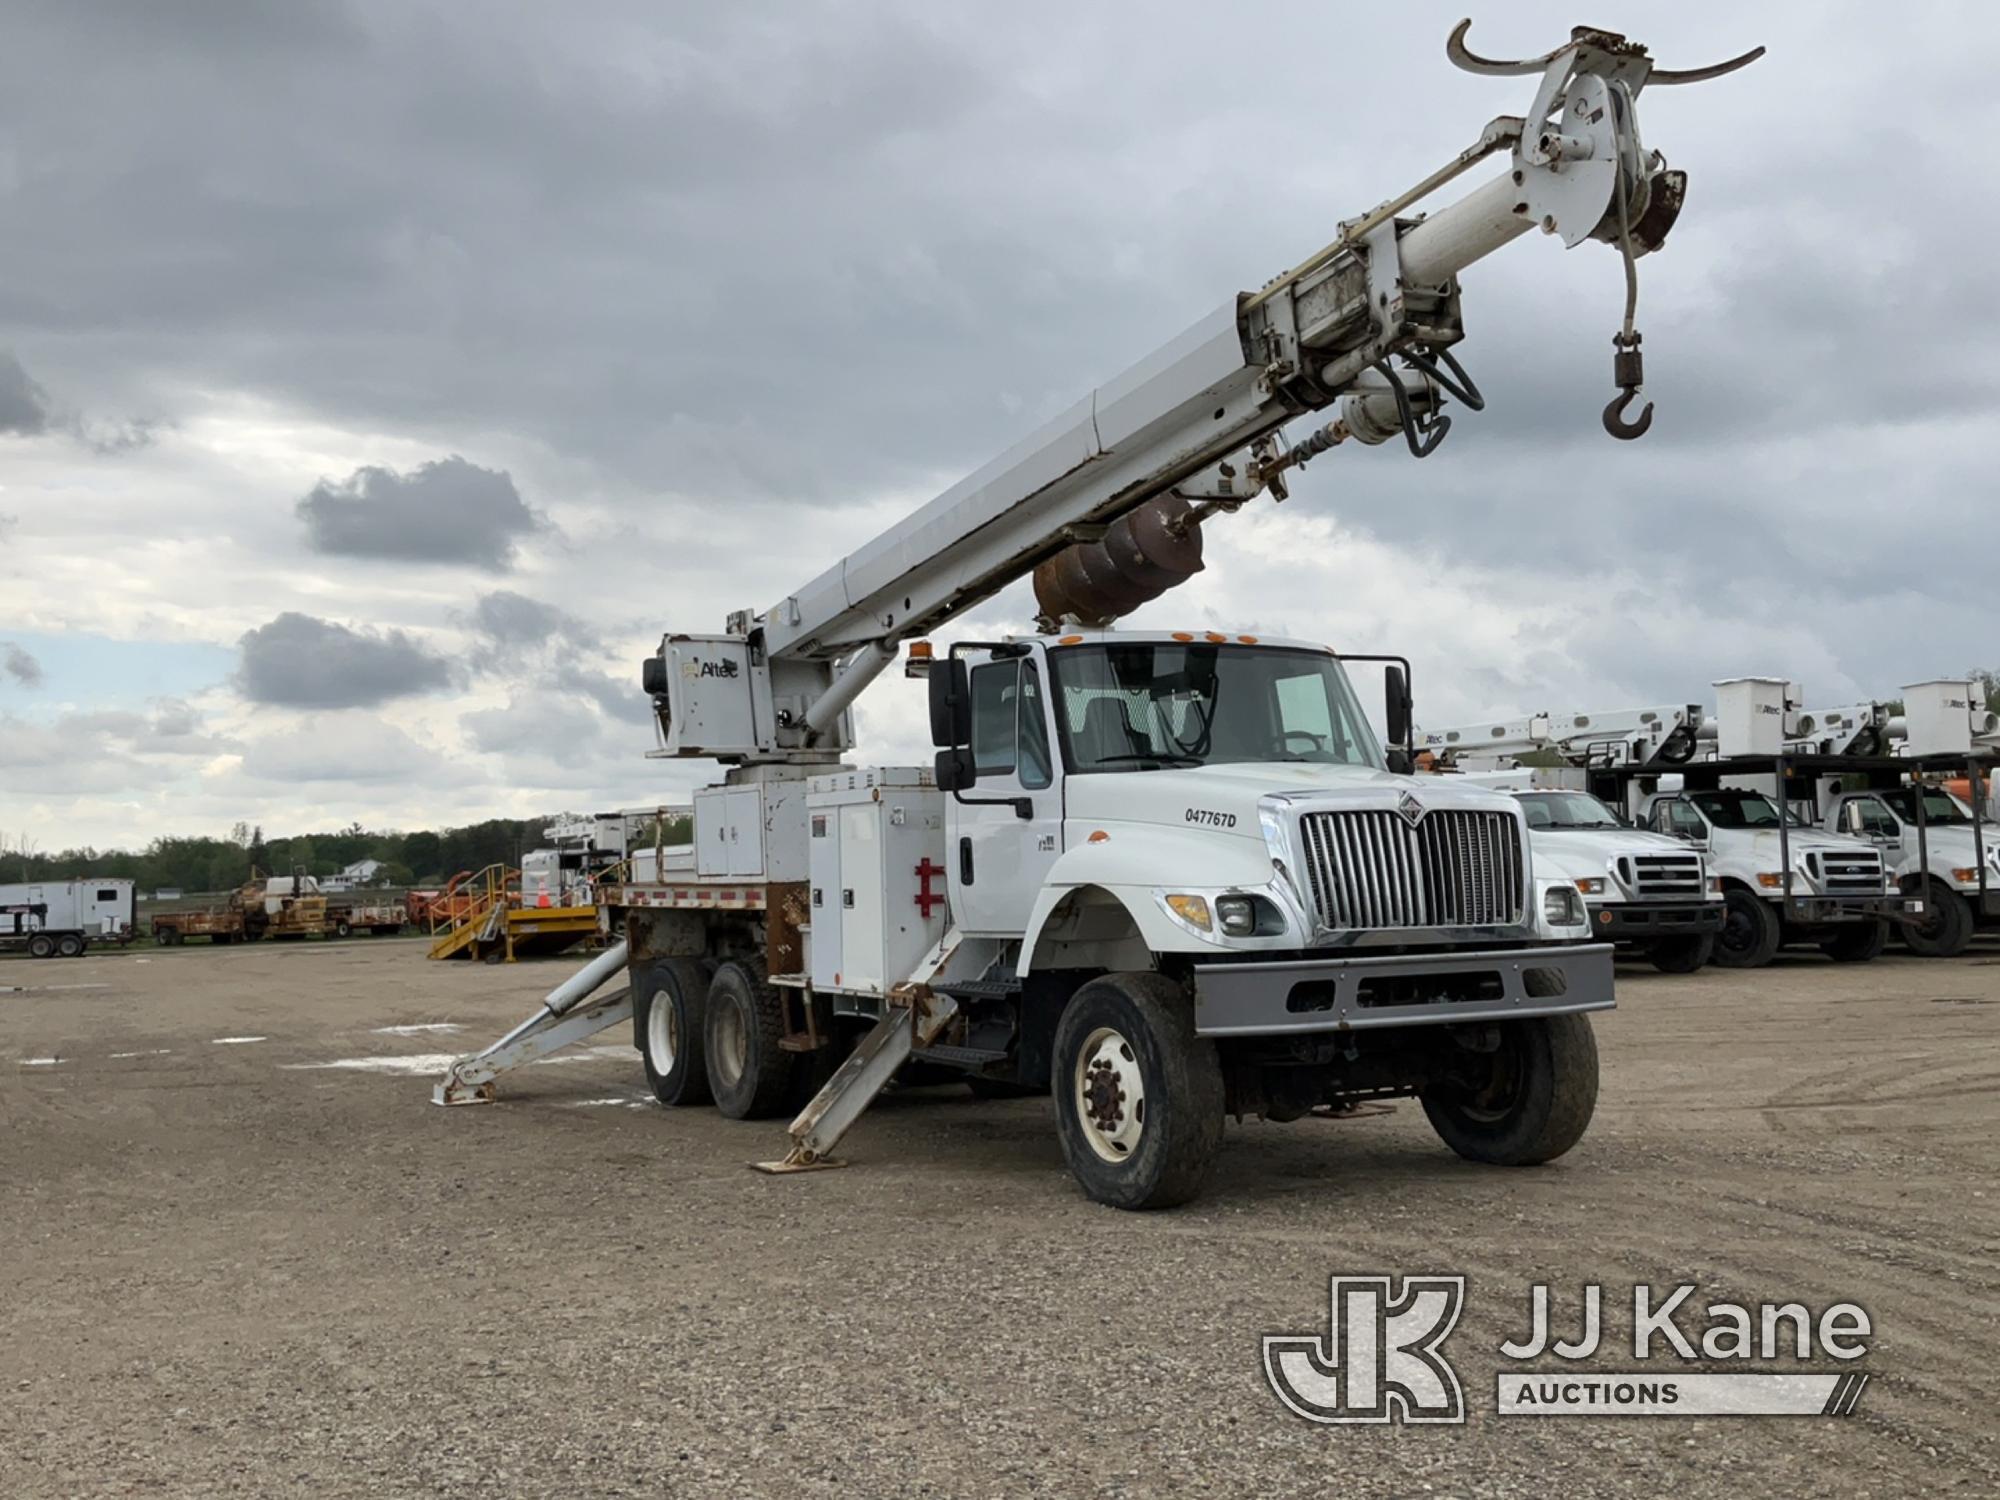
(563, 1019)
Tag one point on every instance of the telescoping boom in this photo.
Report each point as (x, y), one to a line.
(1104, 504)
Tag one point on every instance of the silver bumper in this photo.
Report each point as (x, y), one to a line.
(1357, 994)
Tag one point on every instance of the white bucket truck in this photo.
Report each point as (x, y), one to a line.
(1167, 876)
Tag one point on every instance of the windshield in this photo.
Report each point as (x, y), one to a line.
(1739, 809)
(1560, 810)
(1140, 705)
(1941, 809)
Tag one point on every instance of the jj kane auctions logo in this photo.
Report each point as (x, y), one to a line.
(1382, 1360)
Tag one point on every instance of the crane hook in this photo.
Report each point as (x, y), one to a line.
(1614, 418)
(1628, 372)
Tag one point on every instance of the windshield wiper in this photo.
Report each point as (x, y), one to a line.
(1164, 757)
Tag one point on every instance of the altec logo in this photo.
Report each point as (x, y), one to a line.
(1379, 1361)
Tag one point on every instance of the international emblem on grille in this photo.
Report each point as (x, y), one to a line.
(1411, 809)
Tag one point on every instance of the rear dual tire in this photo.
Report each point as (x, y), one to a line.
(750, 1074)
(1855, 942)
(670, 1009)
(1681, 955)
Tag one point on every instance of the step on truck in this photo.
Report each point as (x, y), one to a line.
(63, 918)
(1165, 876)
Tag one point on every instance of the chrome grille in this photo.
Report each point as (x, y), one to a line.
(1662, 877)
(1846, 872)
(1453, 869)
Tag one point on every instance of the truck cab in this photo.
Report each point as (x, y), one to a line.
(1782, 881)
(1960, 885)
(1647, 891)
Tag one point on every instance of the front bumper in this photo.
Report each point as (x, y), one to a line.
(1816, 911)
(1640, 921)
(1412, 989)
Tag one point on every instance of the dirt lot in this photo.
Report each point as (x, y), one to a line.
(237, 1267)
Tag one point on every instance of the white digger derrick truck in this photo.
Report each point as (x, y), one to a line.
(1162, 875)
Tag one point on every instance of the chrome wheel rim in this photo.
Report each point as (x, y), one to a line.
(732, 1042)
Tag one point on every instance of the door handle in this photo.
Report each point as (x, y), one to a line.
(964, 861)
(847, 896)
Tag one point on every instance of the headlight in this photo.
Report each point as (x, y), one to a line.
(1192, 910)
(1591, 885)
(1561, 906)
(1248, 916)
(1771, 880)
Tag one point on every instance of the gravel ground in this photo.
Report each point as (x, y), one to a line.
(236, 1269)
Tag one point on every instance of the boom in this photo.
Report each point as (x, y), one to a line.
(1104, 504)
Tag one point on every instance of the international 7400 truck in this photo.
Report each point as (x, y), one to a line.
(1167, 876)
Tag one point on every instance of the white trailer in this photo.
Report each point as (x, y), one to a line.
(61, 918)
(1165, 875)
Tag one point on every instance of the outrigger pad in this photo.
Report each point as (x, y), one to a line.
(787, 1165)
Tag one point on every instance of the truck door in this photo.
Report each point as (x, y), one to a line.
(998, 859)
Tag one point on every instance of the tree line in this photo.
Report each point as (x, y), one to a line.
(420, 857)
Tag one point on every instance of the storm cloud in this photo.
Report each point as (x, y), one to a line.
(445, 511)
(298, 661)
(24, 405)
(18, 664)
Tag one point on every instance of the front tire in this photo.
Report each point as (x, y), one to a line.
(1855, 942)
(1527, 1102)
(341, 929)
(1750, 932)
(749, 1073)
(1139, 1096)
(1682, 955)
(670, 1014)
(1946, 928)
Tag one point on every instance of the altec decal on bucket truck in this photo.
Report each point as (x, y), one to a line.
(1165, 876)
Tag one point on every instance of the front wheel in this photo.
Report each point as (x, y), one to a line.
(1139, 1096)
(1855, 942)
(1683, 954)
(1750, 932)
(671, 996)
(1525, 1102)
(1945, 930)
(342, 929)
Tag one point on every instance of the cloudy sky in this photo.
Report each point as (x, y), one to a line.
(378, 380)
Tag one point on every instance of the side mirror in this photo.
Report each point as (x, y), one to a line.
(1396, 708)
(1850, 819)
(951, 708)
(953, 768)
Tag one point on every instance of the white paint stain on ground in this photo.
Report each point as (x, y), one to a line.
(40, 1062)
(422, 1062)
(437, 1062)
(149, 1052)
(417, 1027)
(236, 1041)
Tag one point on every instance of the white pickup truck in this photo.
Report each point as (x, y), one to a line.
(1644, 890)
(1960, 886)
(1782, 881)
